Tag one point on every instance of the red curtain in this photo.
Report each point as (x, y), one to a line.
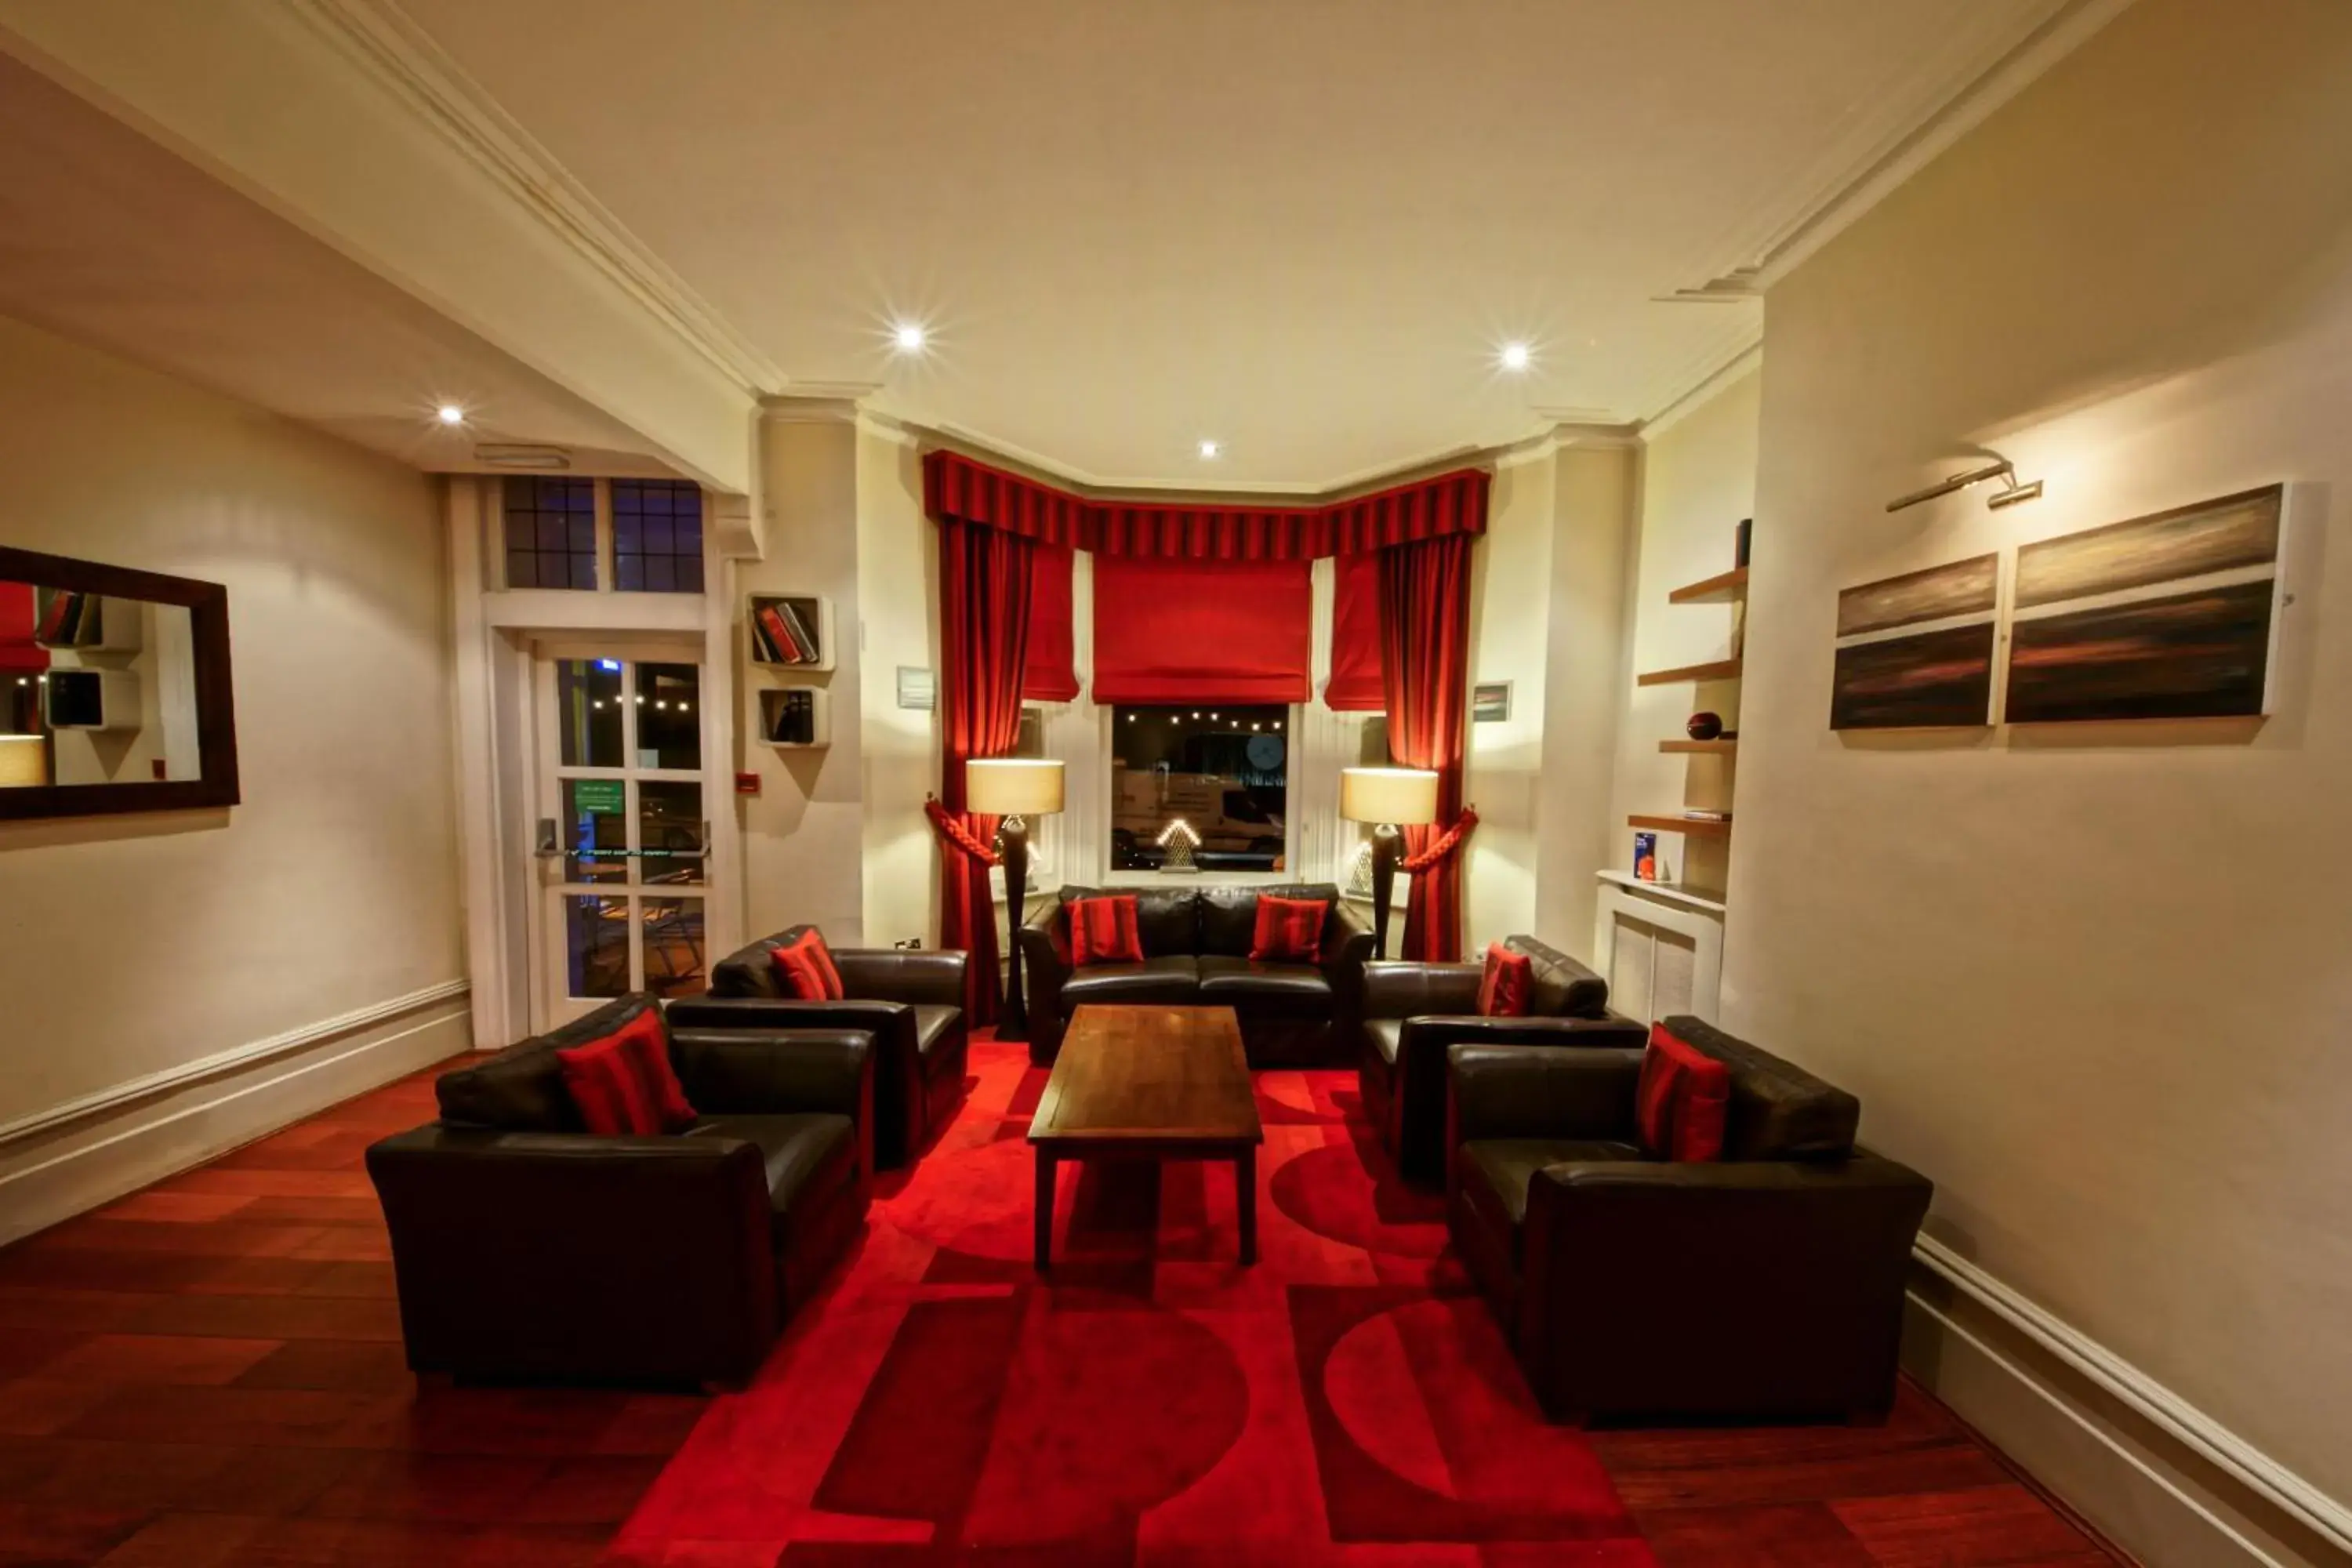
(1185, 631)
(984, 602)
(954, 486)
(1424, 667)
(1051, 672)
(1355, 686)
(19, 651)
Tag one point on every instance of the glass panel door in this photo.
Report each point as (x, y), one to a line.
(623, 841)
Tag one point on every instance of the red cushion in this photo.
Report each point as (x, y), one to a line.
(1103, 930)
(1503, 989)
(806, 970)
(1289, 931)
(1681, 1102)
(622, 1082)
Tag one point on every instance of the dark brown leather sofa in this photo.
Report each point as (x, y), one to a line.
(525, 1247)
(1196, 944)
(910, 1000)
(1768, 1284)
(1413, 1012)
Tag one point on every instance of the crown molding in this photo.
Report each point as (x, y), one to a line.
(384, 43)
(1705, 390)
(1942, 99)
(817, 402)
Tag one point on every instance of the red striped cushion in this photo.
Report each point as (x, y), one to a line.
(623, 1084)
(1681, 1104)
(1103, 930)
(806, 969)
(1289, 931)
(1503, 989)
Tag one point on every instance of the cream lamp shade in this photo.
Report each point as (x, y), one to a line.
(23, 761)
(1406, 796)
(1013, 786)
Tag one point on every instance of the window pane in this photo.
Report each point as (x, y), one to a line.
(594, 832)
(596, 945)
(522, 569)
(657, 536)
(588, 708)
(1222, 774)
(669, 716)
(689, 574)
(674, 949)
(669, 831)
(555, 519)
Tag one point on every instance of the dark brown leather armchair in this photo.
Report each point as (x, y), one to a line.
(1413, 1012)
(1196, 943)
(910, 1000)
(525, 1247)
(1768, 1284)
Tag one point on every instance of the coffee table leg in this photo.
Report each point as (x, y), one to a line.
(1045, 1168)
(1245, 1200)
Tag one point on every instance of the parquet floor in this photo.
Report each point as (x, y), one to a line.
(209, 1373)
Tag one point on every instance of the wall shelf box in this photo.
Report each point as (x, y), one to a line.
(1720, 670)
(92, 699)
(810, 728)
(87, 623)
(1700, 748)
(809, 614)
(1720, 589)
(1698, 826)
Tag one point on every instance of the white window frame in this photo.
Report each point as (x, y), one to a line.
(608, 573)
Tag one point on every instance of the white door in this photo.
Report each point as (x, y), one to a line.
(622, 832)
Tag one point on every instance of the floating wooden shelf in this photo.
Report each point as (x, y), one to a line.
(1721, 669)
(1699, 825)
(1722, 589)
(1701, 748)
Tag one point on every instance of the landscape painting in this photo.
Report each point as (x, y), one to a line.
(1964, 588)
(2203, 653)
(1930, 679)
(2167, 616)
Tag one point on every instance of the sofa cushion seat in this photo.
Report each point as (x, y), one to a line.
(1295, 990)
(934, 1027)
(808, 1157)
(1386, 1037)
(1495, 1171)
(1172, 981)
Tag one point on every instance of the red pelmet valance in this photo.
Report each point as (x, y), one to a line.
(954, 486)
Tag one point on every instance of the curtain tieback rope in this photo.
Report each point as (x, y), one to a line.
(957, 833)
(1446, 844)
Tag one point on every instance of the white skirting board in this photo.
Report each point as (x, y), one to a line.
(2159, 1477)
(74, 1157)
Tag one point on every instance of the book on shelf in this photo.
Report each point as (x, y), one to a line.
(804, 632)
(795, 719)
(61, 619)
(780, 635)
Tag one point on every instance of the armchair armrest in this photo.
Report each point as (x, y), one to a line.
(924, 977)
(898, 1065)
(748, 1072)
(562, 1253)
(1347, 947)
(1396, 989)
(1814, 1254)
(1044, 959)
(1513, 1091)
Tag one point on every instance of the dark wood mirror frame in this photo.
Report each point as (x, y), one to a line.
(207, 605)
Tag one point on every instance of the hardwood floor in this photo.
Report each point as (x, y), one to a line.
(209, 1371)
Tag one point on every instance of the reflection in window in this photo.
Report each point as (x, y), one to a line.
(669, 716)
(669, 831)
(596, 945)
(673, 937)
(551, 531)
(657, 536)
(588, 709)
(1224, 773)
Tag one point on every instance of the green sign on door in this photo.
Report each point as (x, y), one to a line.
(598, 796)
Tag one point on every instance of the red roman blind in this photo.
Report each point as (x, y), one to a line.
(1194, 631)
(1050, 673)
(19, 651)
(1355, 684)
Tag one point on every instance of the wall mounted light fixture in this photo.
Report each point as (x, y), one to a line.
(2000, 467)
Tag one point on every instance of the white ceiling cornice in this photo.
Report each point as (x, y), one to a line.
(1703, 391)
(383, 41)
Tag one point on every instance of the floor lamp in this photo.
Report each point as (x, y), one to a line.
(1014, 789)
(1387, 798)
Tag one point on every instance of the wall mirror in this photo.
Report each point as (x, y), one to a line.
(115, 690)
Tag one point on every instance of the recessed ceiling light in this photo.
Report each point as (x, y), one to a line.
(450, 414)
(910, 337)
(1211, 448)
(1516, 356)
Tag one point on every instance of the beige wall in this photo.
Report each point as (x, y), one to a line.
(139, 945)
(1502, 765)
(897, 598)
(2093, 981)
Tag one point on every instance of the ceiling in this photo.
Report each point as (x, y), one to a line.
(1299, 227)
(107, 238)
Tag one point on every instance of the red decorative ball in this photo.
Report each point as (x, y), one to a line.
(1705, 726)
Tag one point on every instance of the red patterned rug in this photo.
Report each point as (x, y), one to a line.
(1348, 1400)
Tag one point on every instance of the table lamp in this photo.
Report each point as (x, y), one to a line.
(1014, 789)
(1387, 798)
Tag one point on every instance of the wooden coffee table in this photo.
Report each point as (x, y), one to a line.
(1149, 1083)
